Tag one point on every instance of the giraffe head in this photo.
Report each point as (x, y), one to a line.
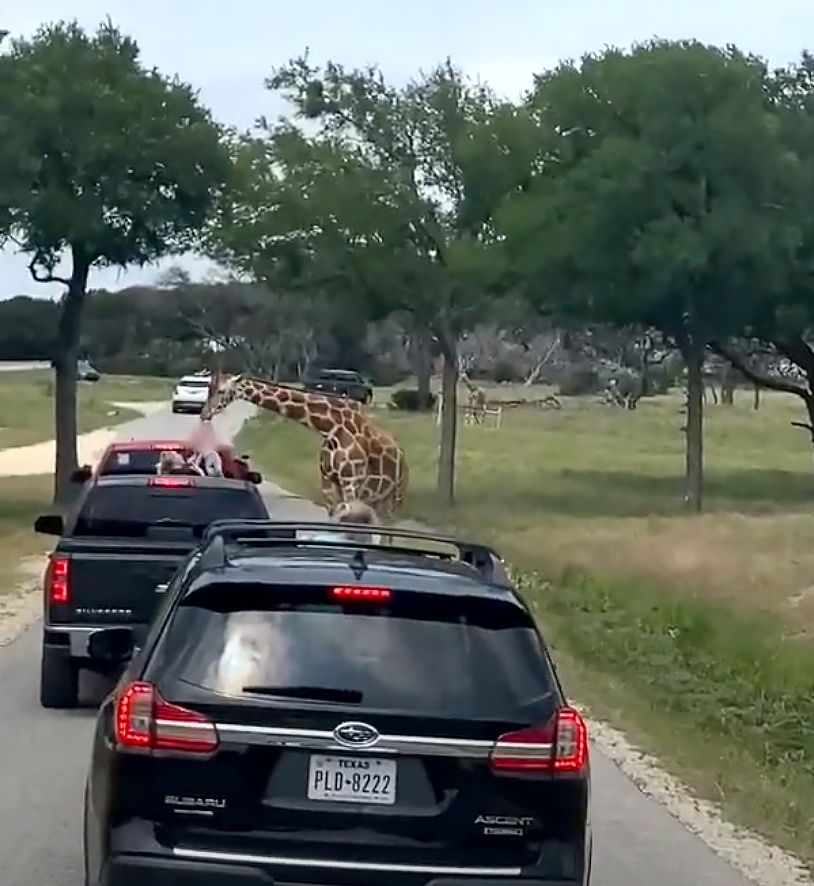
(222, 391)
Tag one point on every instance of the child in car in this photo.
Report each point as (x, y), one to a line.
(206, 459)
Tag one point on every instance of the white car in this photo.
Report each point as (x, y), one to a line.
(191, 393)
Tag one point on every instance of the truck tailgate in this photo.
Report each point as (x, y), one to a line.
(115, 580)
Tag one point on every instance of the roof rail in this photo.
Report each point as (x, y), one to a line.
(285, 533)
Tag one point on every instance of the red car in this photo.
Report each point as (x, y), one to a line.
(141, 456)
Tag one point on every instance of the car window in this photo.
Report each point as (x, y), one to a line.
(130, 510)
(481, 660)
(194, 383)
(135, 461)
(340, 375)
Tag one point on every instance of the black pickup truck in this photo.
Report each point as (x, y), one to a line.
(118, 548)
(340, 383)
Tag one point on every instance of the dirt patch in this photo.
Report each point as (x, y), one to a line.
(38, 458)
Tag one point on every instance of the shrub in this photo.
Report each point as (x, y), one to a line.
(407, 399)
(385, 374)
(578, 381)
(506, 371)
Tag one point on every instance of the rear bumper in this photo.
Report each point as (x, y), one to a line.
(74, 638)
(188, 405)
(138, 871)
(134, 857)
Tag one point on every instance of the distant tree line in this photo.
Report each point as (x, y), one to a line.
(180, 326)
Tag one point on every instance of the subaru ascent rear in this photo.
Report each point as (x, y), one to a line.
(292, 723)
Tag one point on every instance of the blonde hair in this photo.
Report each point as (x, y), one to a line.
(170, 462)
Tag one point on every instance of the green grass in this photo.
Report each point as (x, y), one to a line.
(27, 403)
(693, 634)
(22, 500)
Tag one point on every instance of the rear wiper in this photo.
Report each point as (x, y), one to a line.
(319, 693)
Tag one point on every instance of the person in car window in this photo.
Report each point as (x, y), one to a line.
(206, 459)
(170, 462)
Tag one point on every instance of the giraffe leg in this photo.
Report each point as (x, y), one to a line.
(331, 495)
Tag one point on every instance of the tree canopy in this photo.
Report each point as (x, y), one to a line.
(102, 162)
(661, 191)
(385, 205)
(666, 195)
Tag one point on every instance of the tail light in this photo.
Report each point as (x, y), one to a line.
(146, 722)
(171, 482)
(560, 746)
(346, 592)
(58, 580)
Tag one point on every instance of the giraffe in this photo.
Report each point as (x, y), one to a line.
(477, 398)
(357, 460)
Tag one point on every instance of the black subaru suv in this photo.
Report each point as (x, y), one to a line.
(311, 710)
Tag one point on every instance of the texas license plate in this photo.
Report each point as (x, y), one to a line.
(352, 780)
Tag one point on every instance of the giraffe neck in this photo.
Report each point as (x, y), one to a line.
(310, 410)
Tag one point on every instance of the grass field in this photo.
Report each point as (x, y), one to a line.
(27, 403)
(22, 499)
(691, 633)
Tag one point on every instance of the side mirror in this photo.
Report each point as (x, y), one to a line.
(112, 645)
(49, 524)
(81, 475)
(254, 477)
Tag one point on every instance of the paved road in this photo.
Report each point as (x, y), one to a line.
(45, 754)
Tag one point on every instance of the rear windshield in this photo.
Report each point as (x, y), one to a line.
(129, 511)
(472, 658)
(142, 461)
(194, 383)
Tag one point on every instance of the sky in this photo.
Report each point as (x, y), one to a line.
(227, 50)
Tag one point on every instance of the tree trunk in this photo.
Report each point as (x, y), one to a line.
(728, 384)
(449, 423)
(694, 475)
(756, 399)
(68, 334)
(646, 385)
(422, 361)
(808, 399)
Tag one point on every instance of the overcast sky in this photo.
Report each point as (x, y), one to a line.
(227, 48)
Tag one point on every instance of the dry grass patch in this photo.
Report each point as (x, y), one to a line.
(593, 490)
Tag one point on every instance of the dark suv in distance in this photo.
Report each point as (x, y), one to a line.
(340, 383)
(331, 712)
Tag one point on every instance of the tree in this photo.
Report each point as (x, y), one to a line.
(664, 197)
(778, 352)
(387, 206)
(102, 162)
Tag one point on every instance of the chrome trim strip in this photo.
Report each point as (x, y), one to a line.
(319, 740)
(79, 635)
(519, 751)
(335, 864)
(387, 744)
